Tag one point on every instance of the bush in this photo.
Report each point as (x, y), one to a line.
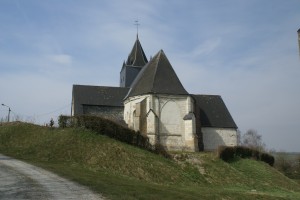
(226, 153)
(230, 153)
(65, 121)
(243, 152)
(51, 123)
(267, 158)
(106, 127)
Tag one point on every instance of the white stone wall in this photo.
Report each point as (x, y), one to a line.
(171, 111)
(171, 120)
(130, 108)
(172, 142)
(181, 102)
(151, 123)
(165, 115)
(215, 137)
(190, 129)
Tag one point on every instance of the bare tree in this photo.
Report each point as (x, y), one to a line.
(253, 140)
(51, 122)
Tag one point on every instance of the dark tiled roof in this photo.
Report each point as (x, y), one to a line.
(137, 55)
(97, 95)
(158, 77)
(298, 30)
(213, 112)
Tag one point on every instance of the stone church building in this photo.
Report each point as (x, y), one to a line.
(152, 100)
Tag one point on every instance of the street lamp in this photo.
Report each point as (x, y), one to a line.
(8, 111)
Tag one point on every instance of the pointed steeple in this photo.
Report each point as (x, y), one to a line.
(137, 55)
(134, 64)
(157, 77)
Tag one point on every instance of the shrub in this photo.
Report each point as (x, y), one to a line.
(65, 121)
(267, 158)
(106, 127)
(51, 123)
(256, 154)
(226, 153)
(243, 152)
(230, 153)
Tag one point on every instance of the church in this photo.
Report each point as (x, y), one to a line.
(152, 100)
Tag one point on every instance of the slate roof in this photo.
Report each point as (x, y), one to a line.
(97, 95)
(298, 30)
(157, 77)
(213, 112)
(137, 55)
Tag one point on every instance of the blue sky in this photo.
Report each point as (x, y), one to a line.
(244, 50)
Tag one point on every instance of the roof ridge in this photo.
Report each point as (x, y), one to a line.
(156, 66)
(139, 49)
(205, 94)
(101, 86)
(136, 49)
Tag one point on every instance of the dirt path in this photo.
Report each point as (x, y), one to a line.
(19, 180)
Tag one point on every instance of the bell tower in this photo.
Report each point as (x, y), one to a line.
(135, 62)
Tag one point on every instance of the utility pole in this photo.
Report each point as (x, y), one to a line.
(9, 110)
(299, 41)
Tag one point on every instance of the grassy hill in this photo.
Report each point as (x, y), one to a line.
(121, 171)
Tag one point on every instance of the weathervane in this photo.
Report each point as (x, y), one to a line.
(137, 24)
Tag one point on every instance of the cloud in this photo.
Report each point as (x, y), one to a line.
(206, 47)
(60, 59)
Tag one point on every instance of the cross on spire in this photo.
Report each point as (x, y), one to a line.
(137, 24)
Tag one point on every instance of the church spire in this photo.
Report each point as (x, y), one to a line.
(135, 62)
(137, 55)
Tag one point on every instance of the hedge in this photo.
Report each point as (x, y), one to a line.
(106, 127)
(230, 153)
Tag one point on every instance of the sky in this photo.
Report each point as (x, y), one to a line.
(244, 50)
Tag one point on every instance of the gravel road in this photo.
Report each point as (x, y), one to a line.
(19, 180)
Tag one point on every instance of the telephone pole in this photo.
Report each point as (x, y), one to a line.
(9, 110)
(299, 41)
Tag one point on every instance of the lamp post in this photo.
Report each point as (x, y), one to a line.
(8, 111)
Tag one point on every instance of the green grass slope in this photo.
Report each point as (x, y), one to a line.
(121, 171)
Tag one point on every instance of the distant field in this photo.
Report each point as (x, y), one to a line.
(289, 164)
(121, 171)
(288, 155)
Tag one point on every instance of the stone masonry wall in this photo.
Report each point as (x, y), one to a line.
(215, 137)
(111, 112)
(164, 120)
